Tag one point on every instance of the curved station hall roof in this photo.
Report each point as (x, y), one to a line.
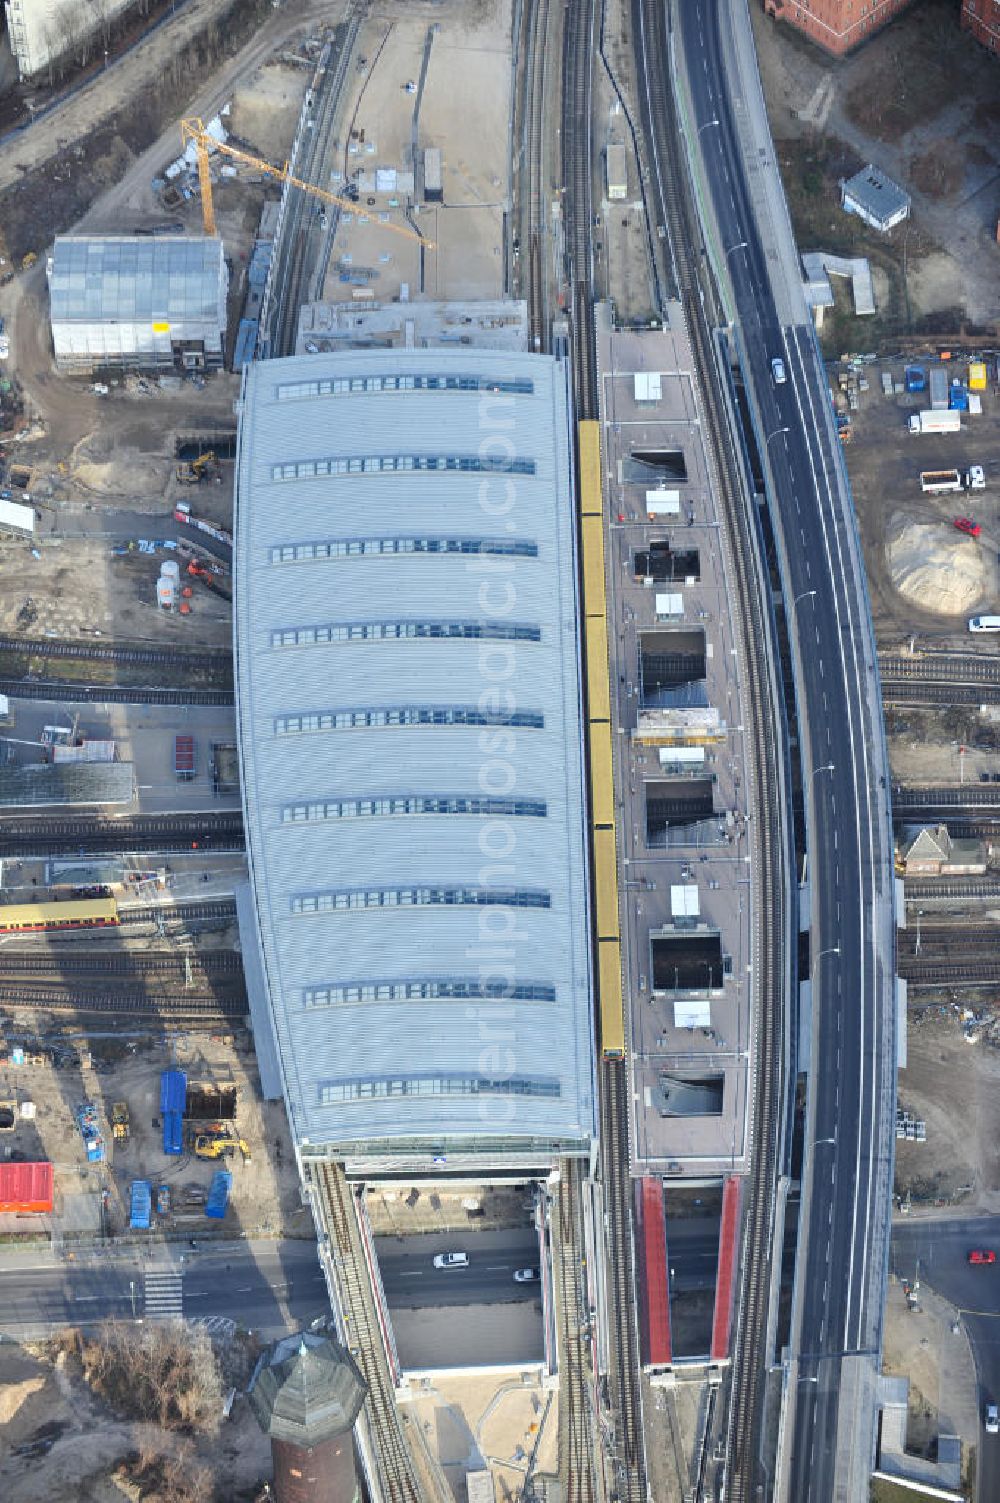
(408, 694)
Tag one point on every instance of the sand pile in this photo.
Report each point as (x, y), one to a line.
(936, 567)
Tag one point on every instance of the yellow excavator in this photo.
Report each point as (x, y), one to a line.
(199, 469)
(219, 1146)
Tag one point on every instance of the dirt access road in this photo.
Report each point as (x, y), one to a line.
(141, 69)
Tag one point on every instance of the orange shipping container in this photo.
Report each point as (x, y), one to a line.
(26, 1187)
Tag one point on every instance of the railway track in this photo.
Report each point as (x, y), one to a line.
(915, 800)
(162, 963)
(535, 22)
(176, 1004)
(749, 1352)
(941, 668)
(627, 1449)
(969, 889)
(164, 834)
(68, 692)
(576, 1440)
(981, 971)
(109, 652)
(915, 694)
(966, 829)
(580, 22)
(389, 1452)
(217, 908)
(299, 251)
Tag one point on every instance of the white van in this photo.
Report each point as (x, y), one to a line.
(984, 623)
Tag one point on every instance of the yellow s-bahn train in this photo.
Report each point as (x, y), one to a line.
(40, 918)
(603, 845)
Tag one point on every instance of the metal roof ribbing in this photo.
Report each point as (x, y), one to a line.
(413, 1036)
(135, 278)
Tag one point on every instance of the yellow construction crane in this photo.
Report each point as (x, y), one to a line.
(194, 130)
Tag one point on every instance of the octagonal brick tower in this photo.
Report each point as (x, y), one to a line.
(307, 1397)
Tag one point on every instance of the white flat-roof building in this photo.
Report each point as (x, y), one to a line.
(137, 302)
(415, 932)
(45, 31)
(874, 198)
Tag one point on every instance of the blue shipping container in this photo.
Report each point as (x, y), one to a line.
(915, 378)
(173, 1133)
(142, 1198)
(218, 1195)
(173, 1091)
(958, 397)
(173, 1098)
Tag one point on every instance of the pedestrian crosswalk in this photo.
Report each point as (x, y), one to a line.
(163, 1294)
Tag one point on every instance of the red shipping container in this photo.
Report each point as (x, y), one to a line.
(26, 1187)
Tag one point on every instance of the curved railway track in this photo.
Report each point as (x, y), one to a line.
(300, 251)
(749, 1349)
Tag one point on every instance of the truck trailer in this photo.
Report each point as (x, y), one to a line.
(935, 422)
(937, 482)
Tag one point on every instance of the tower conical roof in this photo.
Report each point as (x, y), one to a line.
(308, 1391)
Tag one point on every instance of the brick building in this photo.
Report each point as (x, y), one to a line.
(982, 18)
(840, 25)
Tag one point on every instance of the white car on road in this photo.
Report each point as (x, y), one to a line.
(451, 1260)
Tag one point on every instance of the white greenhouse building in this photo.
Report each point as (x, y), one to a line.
(137, 302)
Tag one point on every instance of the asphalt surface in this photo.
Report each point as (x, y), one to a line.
(269, 1287)
(937, 1253)
(842, 1262)
(411, 1281)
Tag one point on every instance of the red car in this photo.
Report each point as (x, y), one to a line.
(967, 525)
(982, 1255)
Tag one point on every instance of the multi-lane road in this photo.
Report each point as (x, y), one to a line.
(410, 1279)
(844, 1236)
(270, 1287)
